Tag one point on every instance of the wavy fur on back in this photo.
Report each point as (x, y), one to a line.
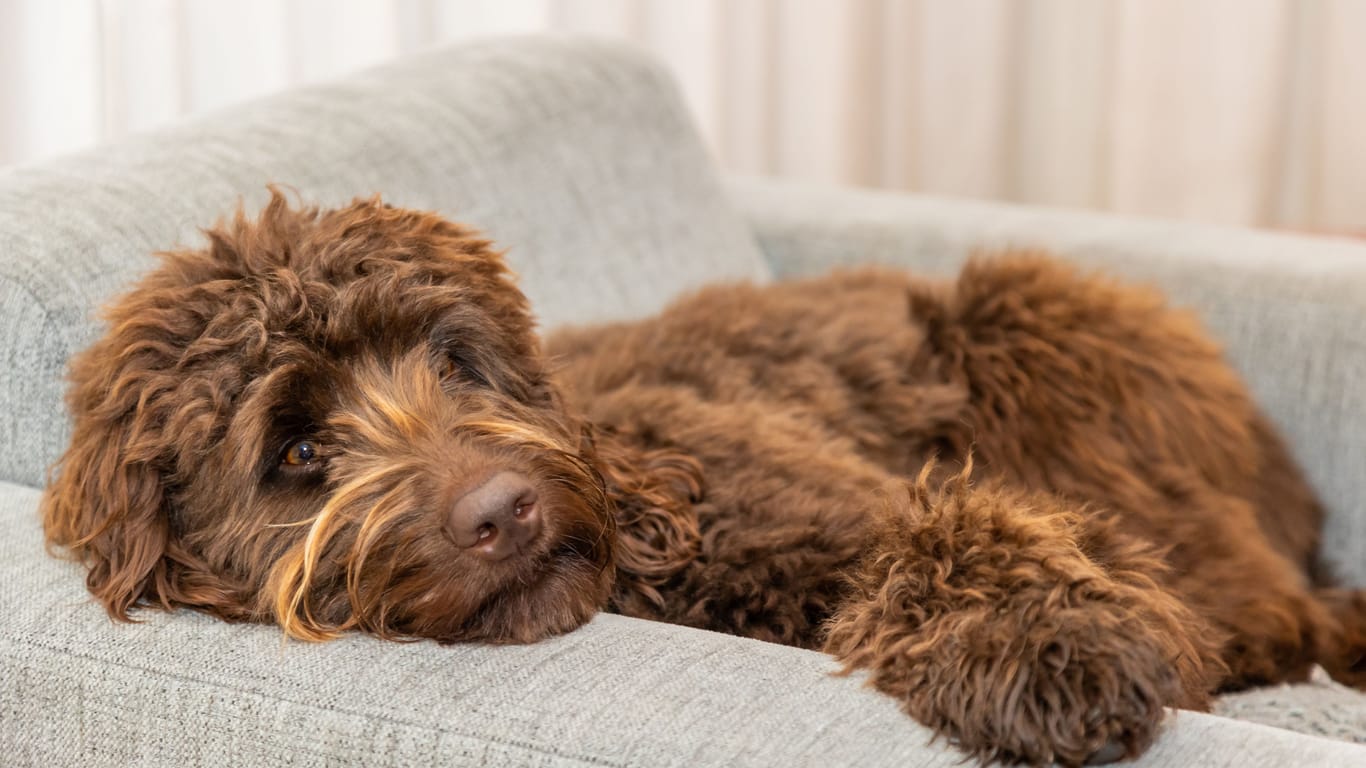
(1036, 506)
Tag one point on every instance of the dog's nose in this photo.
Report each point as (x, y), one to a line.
(497, 518)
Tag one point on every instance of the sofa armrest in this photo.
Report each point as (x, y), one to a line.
(1289, 310)
(186, 690)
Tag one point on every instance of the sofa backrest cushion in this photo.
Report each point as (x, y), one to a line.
(576, 156)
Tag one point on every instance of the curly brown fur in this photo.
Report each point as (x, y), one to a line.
(1035, 507)
(997, 615)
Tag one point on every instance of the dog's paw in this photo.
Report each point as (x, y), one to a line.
(1081, 685)
(1041, 680)
(980, 612)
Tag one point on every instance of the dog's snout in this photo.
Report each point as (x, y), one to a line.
(497, 518)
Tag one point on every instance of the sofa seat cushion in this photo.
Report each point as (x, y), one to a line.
(186, 690)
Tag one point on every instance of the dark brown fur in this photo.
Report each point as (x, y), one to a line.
(1036, 507)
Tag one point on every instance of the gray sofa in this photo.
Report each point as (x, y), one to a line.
(579, 159)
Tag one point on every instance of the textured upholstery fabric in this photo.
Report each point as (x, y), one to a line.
(1290, 311)
(1319, 706)
(576, 156)
(618, 692)
(186, 690)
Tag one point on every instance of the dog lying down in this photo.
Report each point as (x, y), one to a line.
(1037, 507)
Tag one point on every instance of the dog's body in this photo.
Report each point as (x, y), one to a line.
(1036, 507)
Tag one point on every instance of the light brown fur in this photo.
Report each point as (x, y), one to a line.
(1036, 507)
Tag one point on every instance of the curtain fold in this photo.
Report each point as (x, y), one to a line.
(1244, 112)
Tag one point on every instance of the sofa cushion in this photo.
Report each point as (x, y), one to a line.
(576, 156)
(1319, 706)
(186, 690)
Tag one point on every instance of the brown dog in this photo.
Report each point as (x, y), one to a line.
(1035, 507)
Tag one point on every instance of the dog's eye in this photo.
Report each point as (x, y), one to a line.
(301, 453)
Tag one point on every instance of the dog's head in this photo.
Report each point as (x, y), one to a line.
(333, 420)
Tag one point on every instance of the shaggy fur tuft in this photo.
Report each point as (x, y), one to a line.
(1036, 507)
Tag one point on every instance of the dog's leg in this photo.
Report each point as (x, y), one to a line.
(1020, 628)
(1226, 568)
(1273, 633)
(1277, 624)
(1276, 632)
(1096, 391)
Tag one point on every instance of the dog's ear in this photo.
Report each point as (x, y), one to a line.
(106, 505)
(108, 499)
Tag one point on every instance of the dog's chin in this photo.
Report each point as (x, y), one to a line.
(569, 592)
(543, 597)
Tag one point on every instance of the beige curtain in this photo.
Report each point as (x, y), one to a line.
(1247, 112)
